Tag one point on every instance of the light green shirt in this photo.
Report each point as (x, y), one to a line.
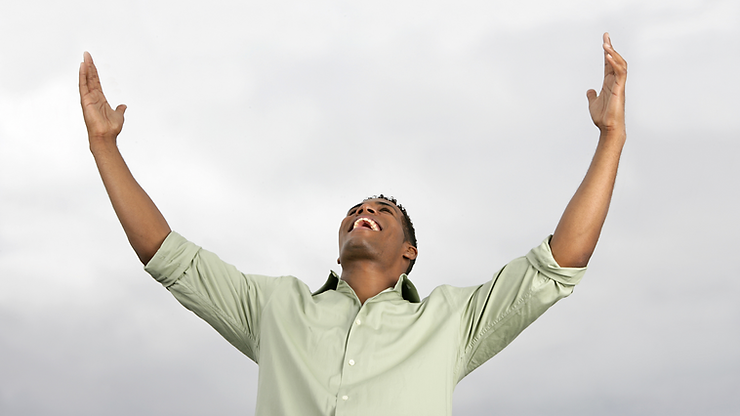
(324, 353)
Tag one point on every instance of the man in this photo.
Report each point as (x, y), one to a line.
(364, 344)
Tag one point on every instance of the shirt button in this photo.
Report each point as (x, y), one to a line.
(358, 322)
(351, 362)
(345, 397)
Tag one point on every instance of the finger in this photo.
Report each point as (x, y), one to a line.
(83, 79)
(121, 109)
(608, 69)
(591, 95)
(609, 50)
(619, 78)
(93, 80)
(617, 62)
(617, 65)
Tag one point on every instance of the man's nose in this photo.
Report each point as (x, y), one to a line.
(366, 207)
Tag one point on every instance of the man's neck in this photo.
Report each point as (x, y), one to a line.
(367, 279)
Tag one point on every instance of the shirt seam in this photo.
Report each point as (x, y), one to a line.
(458, 360)
(207, 302)
(483, 333)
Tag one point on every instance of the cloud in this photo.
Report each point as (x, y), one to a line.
(255, 126)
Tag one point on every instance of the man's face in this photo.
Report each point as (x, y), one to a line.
(373, 230)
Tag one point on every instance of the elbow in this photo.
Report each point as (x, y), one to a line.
(573, 261)
(569, 256)
(146, 248)
(572, 252)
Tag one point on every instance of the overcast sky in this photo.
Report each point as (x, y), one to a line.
(255, 125)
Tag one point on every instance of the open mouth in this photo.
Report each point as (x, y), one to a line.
(364, 222)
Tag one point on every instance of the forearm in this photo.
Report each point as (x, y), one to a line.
(144, 225)
(577, 233)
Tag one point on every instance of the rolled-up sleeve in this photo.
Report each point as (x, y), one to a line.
(495, 313)
(230, 301)
(541, 259)
(172, 259)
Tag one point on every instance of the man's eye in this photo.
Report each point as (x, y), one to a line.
(351, 212)
(386, 210)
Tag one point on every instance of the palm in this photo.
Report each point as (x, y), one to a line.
(101, 120)
(607, 108)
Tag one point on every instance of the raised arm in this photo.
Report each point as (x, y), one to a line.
(144, 225)
(576, 235)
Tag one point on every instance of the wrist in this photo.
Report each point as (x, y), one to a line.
(102, 144)
(613, 135)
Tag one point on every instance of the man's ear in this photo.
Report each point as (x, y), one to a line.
(411, 252)
(338, 262)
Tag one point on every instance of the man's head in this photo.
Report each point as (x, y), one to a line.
(378, 228)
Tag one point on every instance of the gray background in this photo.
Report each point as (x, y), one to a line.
(255, 125)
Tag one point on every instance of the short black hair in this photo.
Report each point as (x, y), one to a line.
(409, 232)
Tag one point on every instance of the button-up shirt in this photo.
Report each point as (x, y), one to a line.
(325, 353)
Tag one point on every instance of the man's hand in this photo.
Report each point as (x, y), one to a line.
(607, 109)
(103, 123)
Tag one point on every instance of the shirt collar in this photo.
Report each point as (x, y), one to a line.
(403, 286)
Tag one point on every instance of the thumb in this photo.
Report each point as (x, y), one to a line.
(121, 109)
(591, 95)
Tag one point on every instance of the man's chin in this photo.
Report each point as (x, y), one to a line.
(357, 249)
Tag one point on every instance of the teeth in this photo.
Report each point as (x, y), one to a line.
(368, 221)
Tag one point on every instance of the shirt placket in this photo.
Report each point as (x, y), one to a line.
(351, 365)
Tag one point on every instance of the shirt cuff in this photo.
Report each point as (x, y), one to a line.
(541, 259)
(173, 258)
